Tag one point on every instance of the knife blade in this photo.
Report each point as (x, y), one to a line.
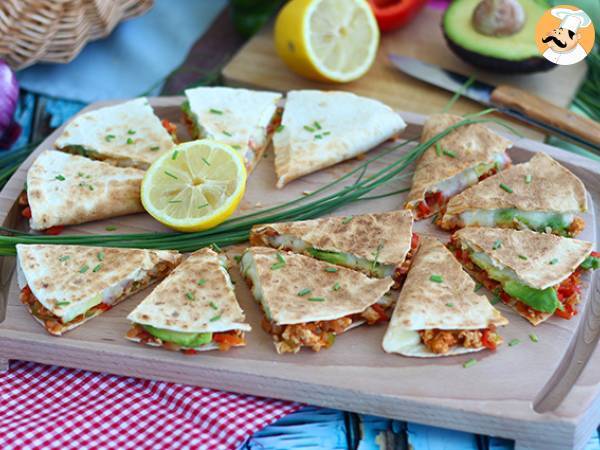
(511, 101)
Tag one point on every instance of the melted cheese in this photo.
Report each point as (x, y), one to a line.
(535, 220)
(401, 340)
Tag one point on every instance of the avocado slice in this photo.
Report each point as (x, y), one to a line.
(190, 340)
(516, 53)
(345, 260)
(544, 300)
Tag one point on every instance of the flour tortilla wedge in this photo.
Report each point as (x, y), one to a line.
(241, 118)
(320, 129)
(64, 189)
(469, 149)
(425, 304)
(539, 185)
(70, 284)
(361, 242)
(197, 297)
(127, 134)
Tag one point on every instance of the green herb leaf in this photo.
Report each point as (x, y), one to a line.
(450, 305)
(317, 125)
(436, 278)
(316, 299)
(553, 261)
(279, 129)
(438, 149)
(497, 244)
(213, 305)
(201, 282)
(523, 257)
(175, 201)
(478, 286)
(449, 153)
(130, 131)
(309, 129)
(205, 161)
(215, 318)
(318, 136)
(130, 141)
(469, 363)
(514, 342)
(155, 148)
(236, 146)
(100, 256)
(280, 258)
(528, 179)
(203, 206)
(215, 111)
(326, 133)
(227, 133)
(63, 303)
(506, 188)
(277, 266)
(60, 178)
(169, 174)
(216, 247)
(175, 153)
(347, 219)
(189, 295)
(109, 137)
(97, 268)
(331, 269)
(336, 287)
(110, 228)
(303, 292)
(533, 337)
(84, 268)
(63, 258)
(237, 258)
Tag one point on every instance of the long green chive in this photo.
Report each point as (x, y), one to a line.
(449, 153)
(523, 257)
(84, 268)
(331, 269)
(470, 363)
(506, 188)
(60, 178)
(215, 318)
(216, 247)
(169, 174)
(109, 137)
(497, 244)
(376, 257)
(279, 129)
(309, 129)
(205, 161)
(336, 287)
(175, 153)
(436, 278)
(215, 111)
(553, 261)
(201, 282)
(528, 179)
(189, 295)
(316, 299)
(514, 342)
(213, 305)
(63, 258)
(533, 337)
(97, 268)
(303, 292)
(63, 303)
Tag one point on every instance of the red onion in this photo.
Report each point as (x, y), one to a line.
(9, 94)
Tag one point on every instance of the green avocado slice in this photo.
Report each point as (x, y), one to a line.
(190, 340)
(544, 300)
(345, 260)
(591, 263)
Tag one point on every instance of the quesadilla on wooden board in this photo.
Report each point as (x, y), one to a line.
(540, 195)
(319, 129)
(308, 302)
(127, 134)
(193, 309)
(65, 189)
(241, 118)
(460, 159)
(379, 244)
(536, 274)
(438, 312)
(63, 286)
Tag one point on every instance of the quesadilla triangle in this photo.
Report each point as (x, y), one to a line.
(460, 159)
(307, 302)
(538, 275)
(64, 189)
(539, 195)
(64, 286)
(438, 312)
(320, 129)
(127, 134)
(194, 309)
(242, 118)
(379, 245)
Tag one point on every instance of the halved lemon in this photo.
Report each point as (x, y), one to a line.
(195, 186)
(327, 40)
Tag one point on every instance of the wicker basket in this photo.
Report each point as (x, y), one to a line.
(57, 30)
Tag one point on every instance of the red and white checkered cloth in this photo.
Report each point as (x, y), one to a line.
(49, 407)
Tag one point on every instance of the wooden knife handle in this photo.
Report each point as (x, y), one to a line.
(546, 112)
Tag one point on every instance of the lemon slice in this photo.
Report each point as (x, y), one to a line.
(327, 40)
(194, 187)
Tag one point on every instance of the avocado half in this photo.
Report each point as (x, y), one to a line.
(517, 53)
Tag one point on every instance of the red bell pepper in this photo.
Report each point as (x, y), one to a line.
(392, 14)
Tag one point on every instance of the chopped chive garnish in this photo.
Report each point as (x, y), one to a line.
(470, 363)
(434, 218)
(478, 286)
(279, 129)
(215, 318)
(280, 258)
(376, 257)
(227, 133)
(331, 269)
(528, 179)
(216, 247)
(236, 146)
(63, 258)
(237, 258)
(326, 133)
(438, 149)
(90, 187)
(129, 141)
(155, 148)
(523, 257)
(130, 131)
(63, 303)
(277, 266)
(84, 268)
(497, 244)
(175, 201)
(436, 278)
(205, 161)
(175, 153)
(97, 268)
(347, 219)
(60, 178)
(100, 256)
(213, 305)
(317, 125)
(169, 174)
(215, 111)
(318, 136)
(496, 298)
(201, 282)
(316, 299)
(307, 128)
(203, 206)
(553, 261)
(514, 342)
(336, 287)
(189, 295)
(533, 337)
(110, 228)
(506, 188)
(303, 292)
(449, 153)
(450, 305)
(109, 137)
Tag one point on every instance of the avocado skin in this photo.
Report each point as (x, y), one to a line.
(529, 65)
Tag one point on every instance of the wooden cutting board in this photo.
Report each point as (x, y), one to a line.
(257, 65)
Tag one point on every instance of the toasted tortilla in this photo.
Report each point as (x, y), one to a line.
(241, 118)
(552, 188)
(65, 189)
(323, 128)
(70, 278)
(471, 144)
(528, 253)
(280, 287)
(127, 134)
(213, 308)
(424, 304)
(387, 235)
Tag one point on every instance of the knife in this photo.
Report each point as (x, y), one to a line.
(509, 100)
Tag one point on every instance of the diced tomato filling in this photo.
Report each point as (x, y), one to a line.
(228, 339)
(401, 271)
(26, 212)
(442, 341)
(170, 127)
(55, 230)
(433, 201)
(275, 122)
(576, 226)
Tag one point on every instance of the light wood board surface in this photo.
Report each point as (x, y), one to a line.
(257, 65)
(546, 395)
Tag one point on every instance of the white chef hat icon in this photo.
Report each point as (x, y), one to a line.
(571, 19)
